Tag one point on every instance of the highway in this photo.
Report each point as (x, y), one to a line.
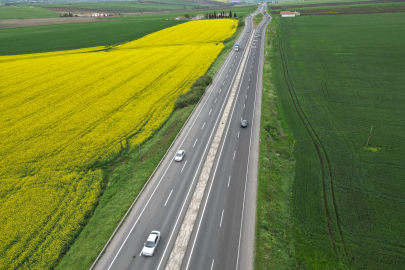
(222, 237)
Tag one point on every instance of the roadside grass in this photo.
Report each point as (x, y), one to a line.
(257, 19)
(274, 242)
(334, 78)
(126, 176)
(25, 12)
(47, 38)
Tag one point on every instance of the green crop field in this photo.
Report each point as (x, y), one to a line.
(335, 77)
(76, 35)
(257, 19)
(322, 2)
(25, 12)
(240, 12)
(129, 5)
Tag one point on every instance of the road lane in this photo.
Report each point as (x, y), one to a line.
(221, 244)
(149, 212)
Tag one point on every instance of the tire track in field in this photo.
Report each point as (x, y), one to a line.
(339, 128)
(308, 127)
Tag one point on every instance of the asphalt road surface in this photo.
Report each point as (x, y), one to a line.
(223, 233)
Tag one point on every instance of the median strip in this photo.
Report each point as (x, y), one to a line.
(180, 246)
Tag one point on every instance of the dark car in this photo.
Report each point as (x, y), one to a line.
(243, 123)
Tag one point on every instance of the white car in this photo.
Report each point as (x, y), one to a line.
(179, 155)
(150, 246)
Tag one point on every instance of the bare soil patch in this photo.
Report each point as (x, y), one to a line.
(11, 23)
(337, 4)
(63, 10)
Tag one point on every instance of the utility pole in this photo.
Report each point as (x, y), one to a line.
(369, 136)
(291, 151)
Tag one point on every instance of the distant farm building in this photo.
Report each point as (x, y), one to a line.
(92, 15)
(199, 17)
(289, 14)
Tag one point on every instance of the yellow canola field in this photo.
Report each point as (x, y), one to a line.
(62, 113)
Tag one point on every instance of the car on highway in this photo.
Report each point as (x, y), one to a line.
(244, 123)
(151, 244)
(179, 155)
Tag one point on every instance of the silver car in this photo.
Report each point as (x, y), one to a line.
(179, 155)
(151, 244)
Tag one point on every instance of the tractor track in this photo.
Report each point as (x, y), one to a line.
(307, 126)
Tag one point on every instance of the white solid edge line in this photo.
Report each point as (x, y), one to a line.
(247, 171)
(213, 177)
(220, 113)
(168, 197)
(185, 137)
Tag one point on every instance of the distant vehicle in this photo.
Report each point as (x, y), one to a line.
(151, 244)
(179, 155)
(259, 36)
(237, 47)
(244, 123)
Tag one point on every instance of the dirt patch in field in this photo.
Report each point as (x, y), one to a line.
(63, 10)
(336, 4)
(353, 10)
(11, 23)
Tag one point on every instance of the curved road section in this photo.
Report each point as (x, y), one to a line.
(223, 222)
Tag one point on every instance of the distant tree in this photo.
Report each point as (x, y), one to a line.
(215, 15)
(185, 7)
(234, 15)
(187, 16)
(230, 14)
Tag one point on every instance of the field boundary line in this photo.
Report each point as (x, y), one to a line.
(164, 156)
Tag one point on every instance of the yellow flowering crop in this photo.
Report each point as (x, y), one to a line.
(64, 112)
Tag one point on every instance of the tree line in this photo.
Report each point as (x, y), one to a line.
(220, 15)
